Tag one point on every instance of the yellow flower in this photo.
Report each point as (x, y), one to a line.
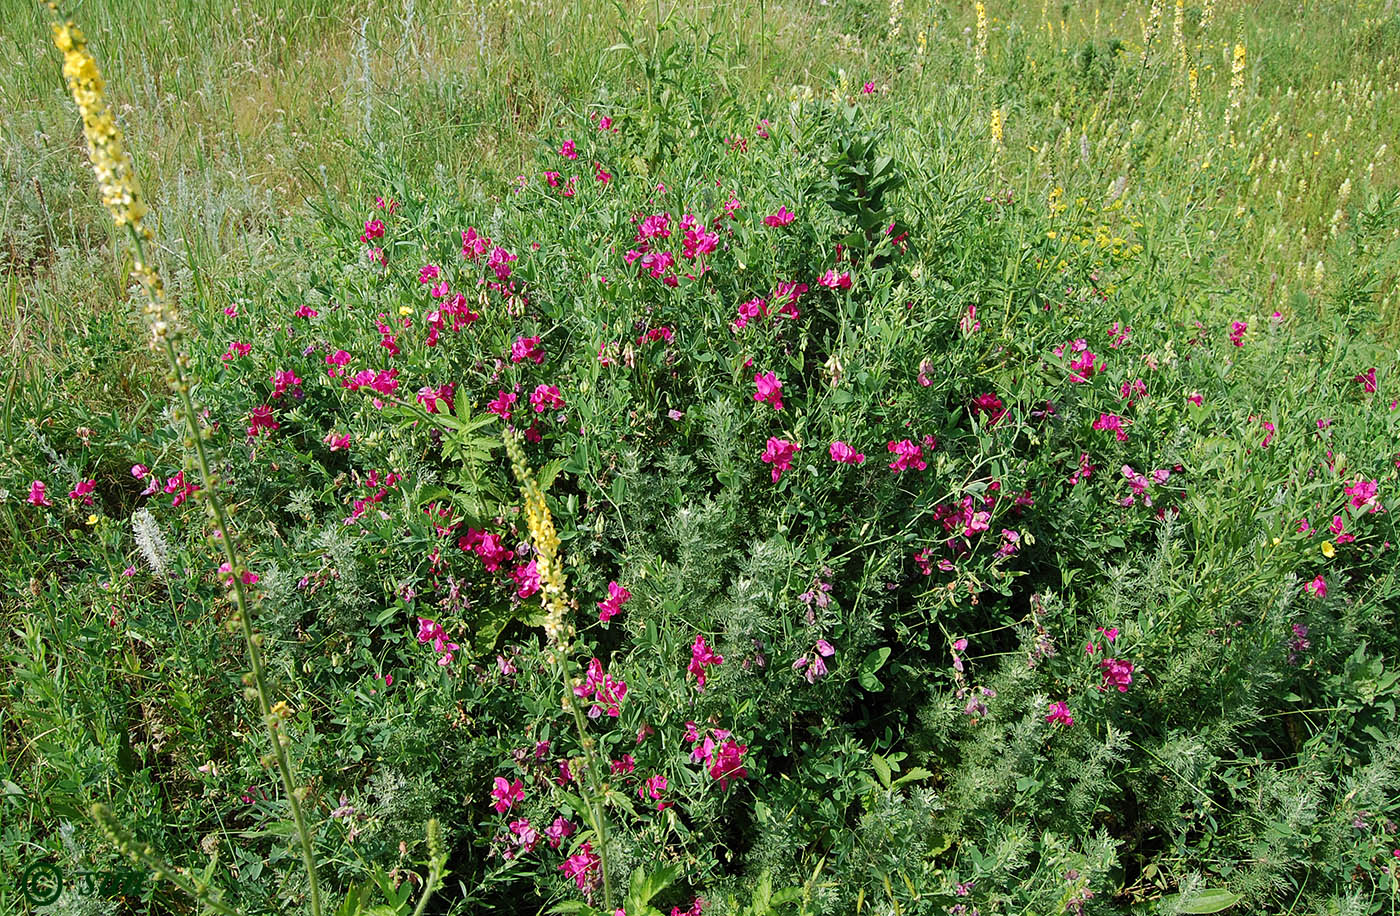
(405, 310)
(1328, 550)
(92, 519)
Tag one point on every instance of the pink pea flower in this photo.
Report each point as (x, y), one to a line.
(1363, 494)
(261, 419)
(1237, 331)
(1368, 380)
(907, 455)
(843, 453)
(236, 350)
(226, 573)
(770, 390)
(612, 605)
(582, 867)
(83, 491)
(428, 273)
(374, 229)
(558, 831)
(473, 245)
(1317, 587)
(502, 404)
(506, 794)
(527, 579)
(1059, 714)
(832, 280)
(36, 494)
(1114, 423)
(781, 218)
(702, 657)
(1116, 672)
(779, 454)
(652, 788)
(546, 397)
(991, 405)
(527, 348)
(726, 764)
(568, 151)
(602, 689)
(1195, 398)
(337, 443)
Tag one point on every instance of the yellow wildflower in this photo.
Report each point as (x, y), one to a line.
(1328, 550)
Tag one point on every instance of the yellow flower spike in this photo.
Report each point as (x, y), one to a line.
(1328, 550)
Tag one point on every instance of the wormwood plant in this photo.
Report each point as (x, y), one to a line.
(121, 195)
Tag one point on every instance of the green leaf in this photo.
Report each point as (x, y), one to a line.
(873, 662)
(1210, 900)
(882, 769)
(914, 774)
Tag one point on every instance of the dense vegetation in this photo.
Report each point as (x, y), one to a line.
(911, 458)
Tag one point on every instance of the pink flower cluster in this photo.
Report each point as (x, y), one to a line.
(431, 631)
(722, 755)
(602, 690)
(779, 453)
(701, 657)
(611, 606)
(813, 661)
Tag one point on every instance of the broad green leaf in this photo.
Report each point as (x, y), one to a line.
(1210, 900)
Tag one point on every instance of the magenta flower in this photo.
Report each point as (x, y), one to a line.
(726, 764)
(499, 261)
(527, 348)
(907, 455)
(1317, 587)
(770, 390)
(779, 454)
(1363, 494)
(374, 229)
(546, 397)
(612, 605)
(235, 350)
(558, 831)
(582, 867)
(781, 218)
(1116, 672)
(843, 453)
(568, 151)
(1237, 330)
(36, 494)
(1114, 423)
(831, 280)
(505, 794)
(527, 579)
(473, 245)
(603, 690)
(84, 490)
(1368, 380)
(501, 406)
(991, 405)
(814, 661)
(1059, 714)
(653, 788)
(702, 657)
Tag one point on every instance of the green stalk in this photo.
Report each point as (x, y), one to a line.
(253, 640)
